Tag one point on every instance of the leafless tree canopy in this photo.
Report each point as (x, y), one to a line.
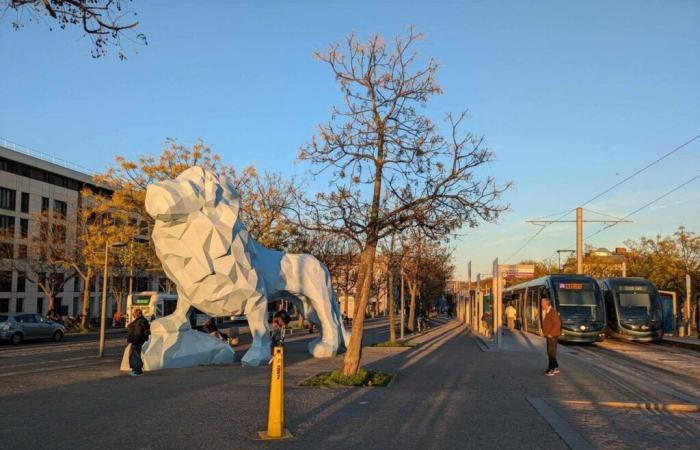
(427, 179)
(391, 168)
(105, 22)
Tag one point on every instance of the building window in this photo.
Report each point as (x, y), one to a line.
(141, 284)
(19, 304)
(76, 284)
(23, 228)
(59, 233)
(7, 198)
(40, 305)
(4, 305)
(7, 250)
(21, 282)
(60, 209)
(44, 204)
(22, 251)
(7, 225)
(24, 206)
(6, 281)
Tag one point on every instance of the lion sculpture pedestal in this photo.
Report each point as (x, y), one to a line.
(220, 270)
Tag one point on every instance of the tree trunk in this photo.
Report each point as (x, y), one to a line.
(390, 300)
(412, 287)
(351, 361)
(347, 286)
(86, 299)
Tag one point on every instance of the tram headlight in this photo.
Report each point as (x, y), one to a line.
(583, 328)
(645, 327)
(634, 327)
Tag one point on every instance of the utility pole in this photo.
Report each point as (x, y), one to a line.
(688, 294)
(579, 231)
(559, 252)
(402, 303)
(470, 315)
(579, 240)
(496, 302)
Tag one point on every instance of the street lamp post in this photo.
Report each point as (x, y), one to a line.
(104, 295)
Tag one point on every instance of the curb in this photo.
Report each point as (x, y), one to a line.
(688, 345)
(668, 407)
(566, 432)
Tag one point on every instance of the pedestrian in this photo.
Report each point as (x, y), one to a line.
(137, 334)
(279, 326)
(117, 318)
(511, 315)
(212, 329)
(551, 328)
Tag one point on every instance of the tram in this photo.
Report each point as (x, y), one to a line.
(577, 299)
(153, 305)
(633, 309)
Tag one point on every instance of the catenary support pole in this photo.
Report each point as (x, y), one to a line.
(579, 240)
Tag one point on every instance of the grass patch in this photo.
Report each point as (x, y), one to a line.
(394, 344)
(362, 378)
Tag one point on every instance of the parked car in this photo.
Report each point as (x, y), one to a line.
(18, 327)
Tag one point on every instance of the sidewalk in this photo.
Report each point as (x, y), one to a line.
(692, 343)
(516, 341)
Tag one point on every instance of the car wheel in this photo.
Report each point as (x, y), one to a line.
(16, 339)
(58, 336)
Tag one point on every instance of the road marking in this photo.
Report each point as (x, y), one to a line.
(54, 361)
(51, 369)
(669, 407)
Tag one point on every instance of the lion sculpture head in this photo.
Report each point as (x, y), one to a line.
(203, 246)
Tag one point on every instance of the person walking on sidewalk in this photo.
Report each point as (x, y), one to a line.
(511, 315)
(137, 334)
(551, 328)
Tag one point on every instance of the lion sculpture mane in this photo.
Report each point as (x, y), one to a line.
(219, 269)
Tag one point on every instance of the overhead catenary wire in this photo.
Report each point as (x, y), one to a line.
(597, 196)
(646, 205)
(656, 161)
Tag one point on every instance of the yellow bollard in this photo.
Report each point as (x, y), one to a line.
(275, 417)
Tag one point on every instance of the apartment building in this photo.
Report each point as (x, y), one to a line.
(32, 183)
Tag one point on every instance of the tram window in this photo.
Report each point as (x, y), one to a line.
(578, 300)
(637, 305)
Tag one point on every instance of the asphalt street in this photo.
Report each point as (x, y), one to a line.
(449, 393)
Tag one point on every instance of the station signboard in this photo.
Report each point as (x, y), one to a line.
(520, 271)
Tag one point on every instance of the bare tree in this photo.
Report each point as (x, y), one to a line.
(42, 255)
(391, 168)
(105, 22)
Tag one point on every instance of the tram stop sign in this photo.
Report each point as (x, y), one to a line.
(520, 271)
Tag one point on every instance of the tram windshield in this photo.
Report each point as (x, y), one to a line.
(577, 301)
(637, 303)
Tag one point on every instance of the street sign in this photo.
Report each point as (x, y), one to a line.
(522, 271)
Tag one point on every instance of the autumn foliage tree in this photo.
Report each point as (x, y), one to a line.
(390, 167)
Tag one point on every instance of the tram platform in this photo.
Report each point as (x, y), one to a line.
(515, 341)
(690, 342)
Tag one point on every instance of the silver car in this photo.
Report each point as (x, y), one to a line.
(18, 327)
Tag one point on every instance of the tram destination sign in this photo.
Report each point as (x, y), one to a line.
(520, 271)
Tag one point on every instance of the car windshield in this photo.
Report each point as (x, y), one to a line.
(636, 303)
(577, 301)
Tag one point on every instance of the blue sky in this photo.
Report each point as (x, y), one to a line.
(572, 97)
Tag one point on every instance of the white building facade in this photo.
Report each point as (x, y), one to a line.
(32, 183)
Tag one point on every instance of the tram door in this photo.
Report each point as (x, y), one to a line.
(668, 309)
(533, 310)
